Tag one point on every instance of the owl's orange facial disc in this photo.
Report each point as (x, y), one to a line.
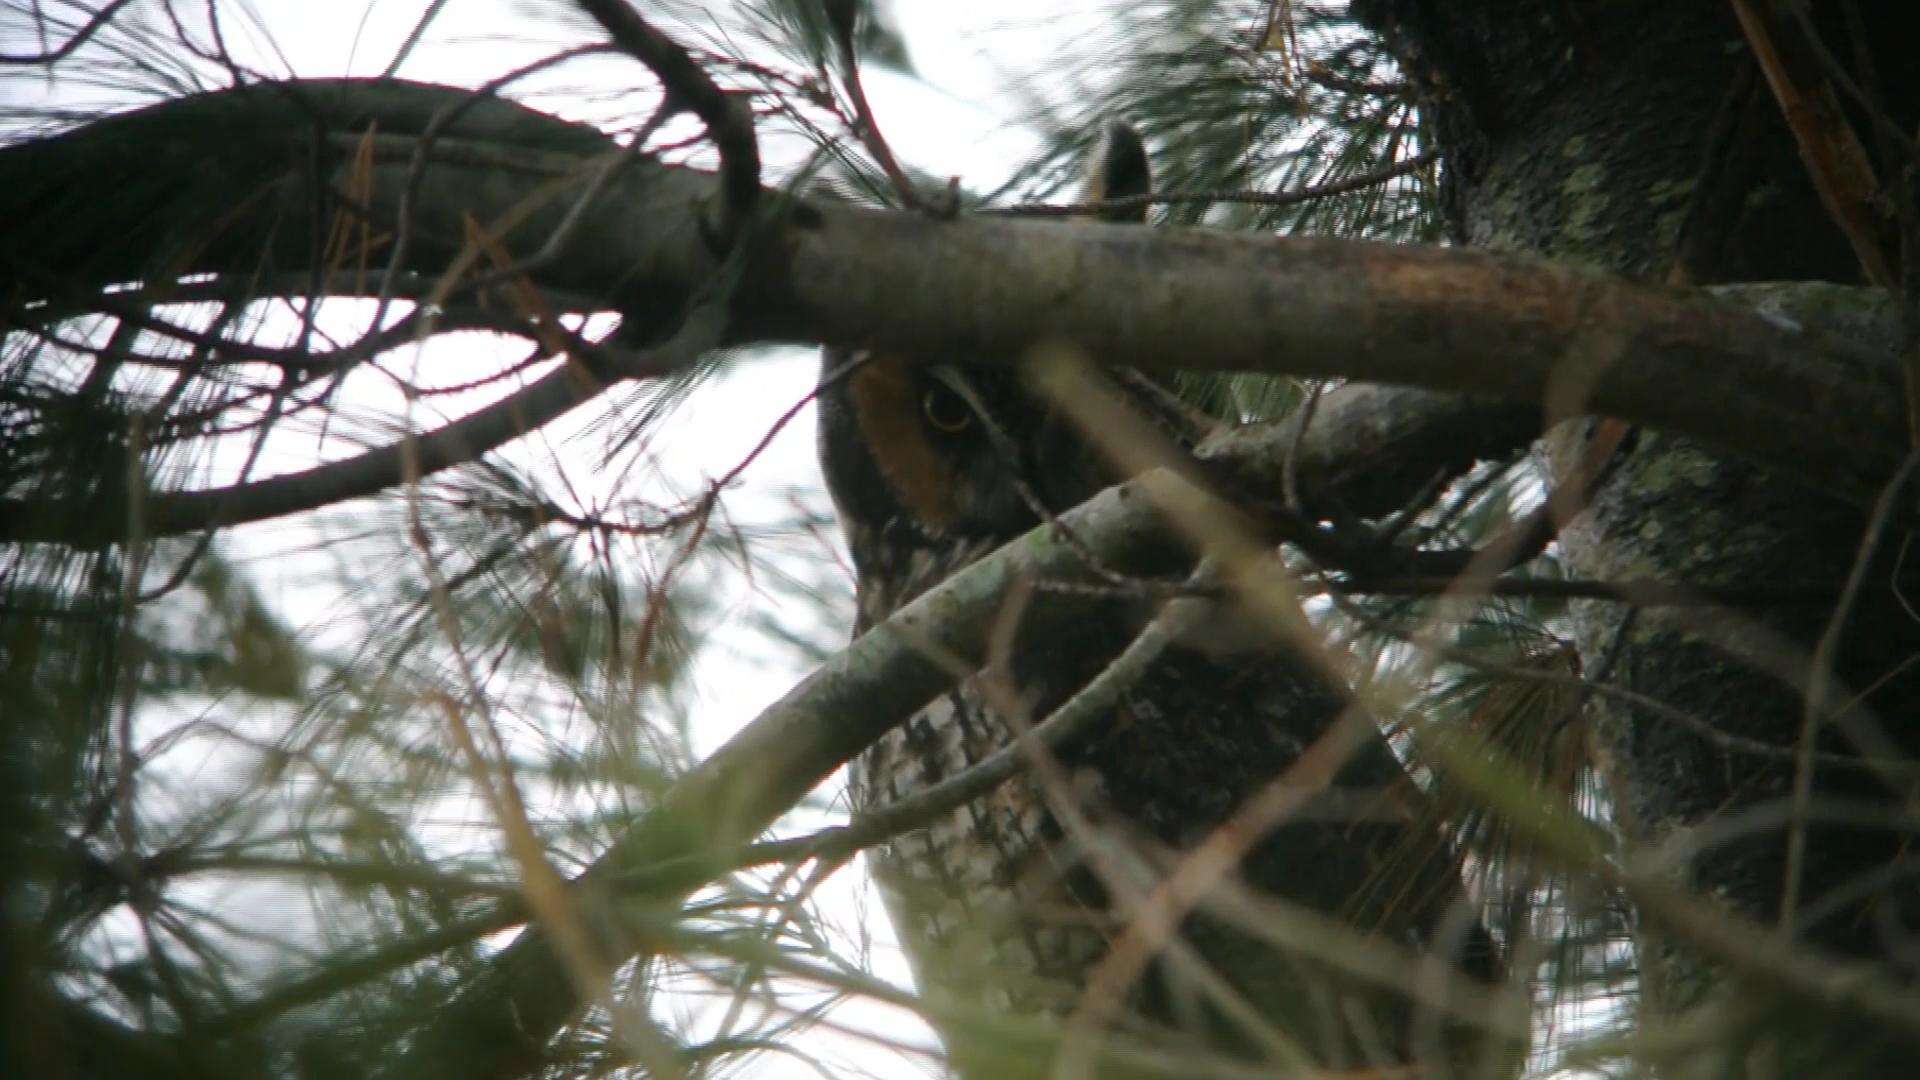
(887, 397)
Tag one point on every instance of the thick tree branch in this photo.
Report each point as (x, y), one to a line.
(1446, 319)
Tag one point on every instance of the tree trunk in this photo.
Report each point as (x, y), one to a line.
(1641, 138)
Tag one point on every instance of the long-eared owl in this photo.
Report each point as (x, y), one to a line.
(934, 465)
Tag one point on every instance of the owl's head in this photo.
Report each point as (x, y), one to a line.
(932, 465)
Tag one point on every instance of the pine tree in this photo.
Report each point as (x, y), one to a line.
(1618, 543)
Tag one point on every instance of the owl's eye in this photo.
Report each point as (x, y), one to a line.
(945, 410)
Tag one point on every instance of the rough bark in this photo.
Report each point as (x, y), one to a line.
(1634, 137)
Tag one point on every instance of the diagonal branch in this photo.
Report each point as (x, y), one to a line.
(499, 1025)
(1365, 456)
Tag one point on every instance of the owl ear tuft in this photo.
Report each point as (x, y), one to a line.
(1120, 169)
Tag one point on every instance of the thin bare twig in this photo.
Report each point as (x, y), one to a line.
(79, 37)
(689, 87)
(840, 14)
